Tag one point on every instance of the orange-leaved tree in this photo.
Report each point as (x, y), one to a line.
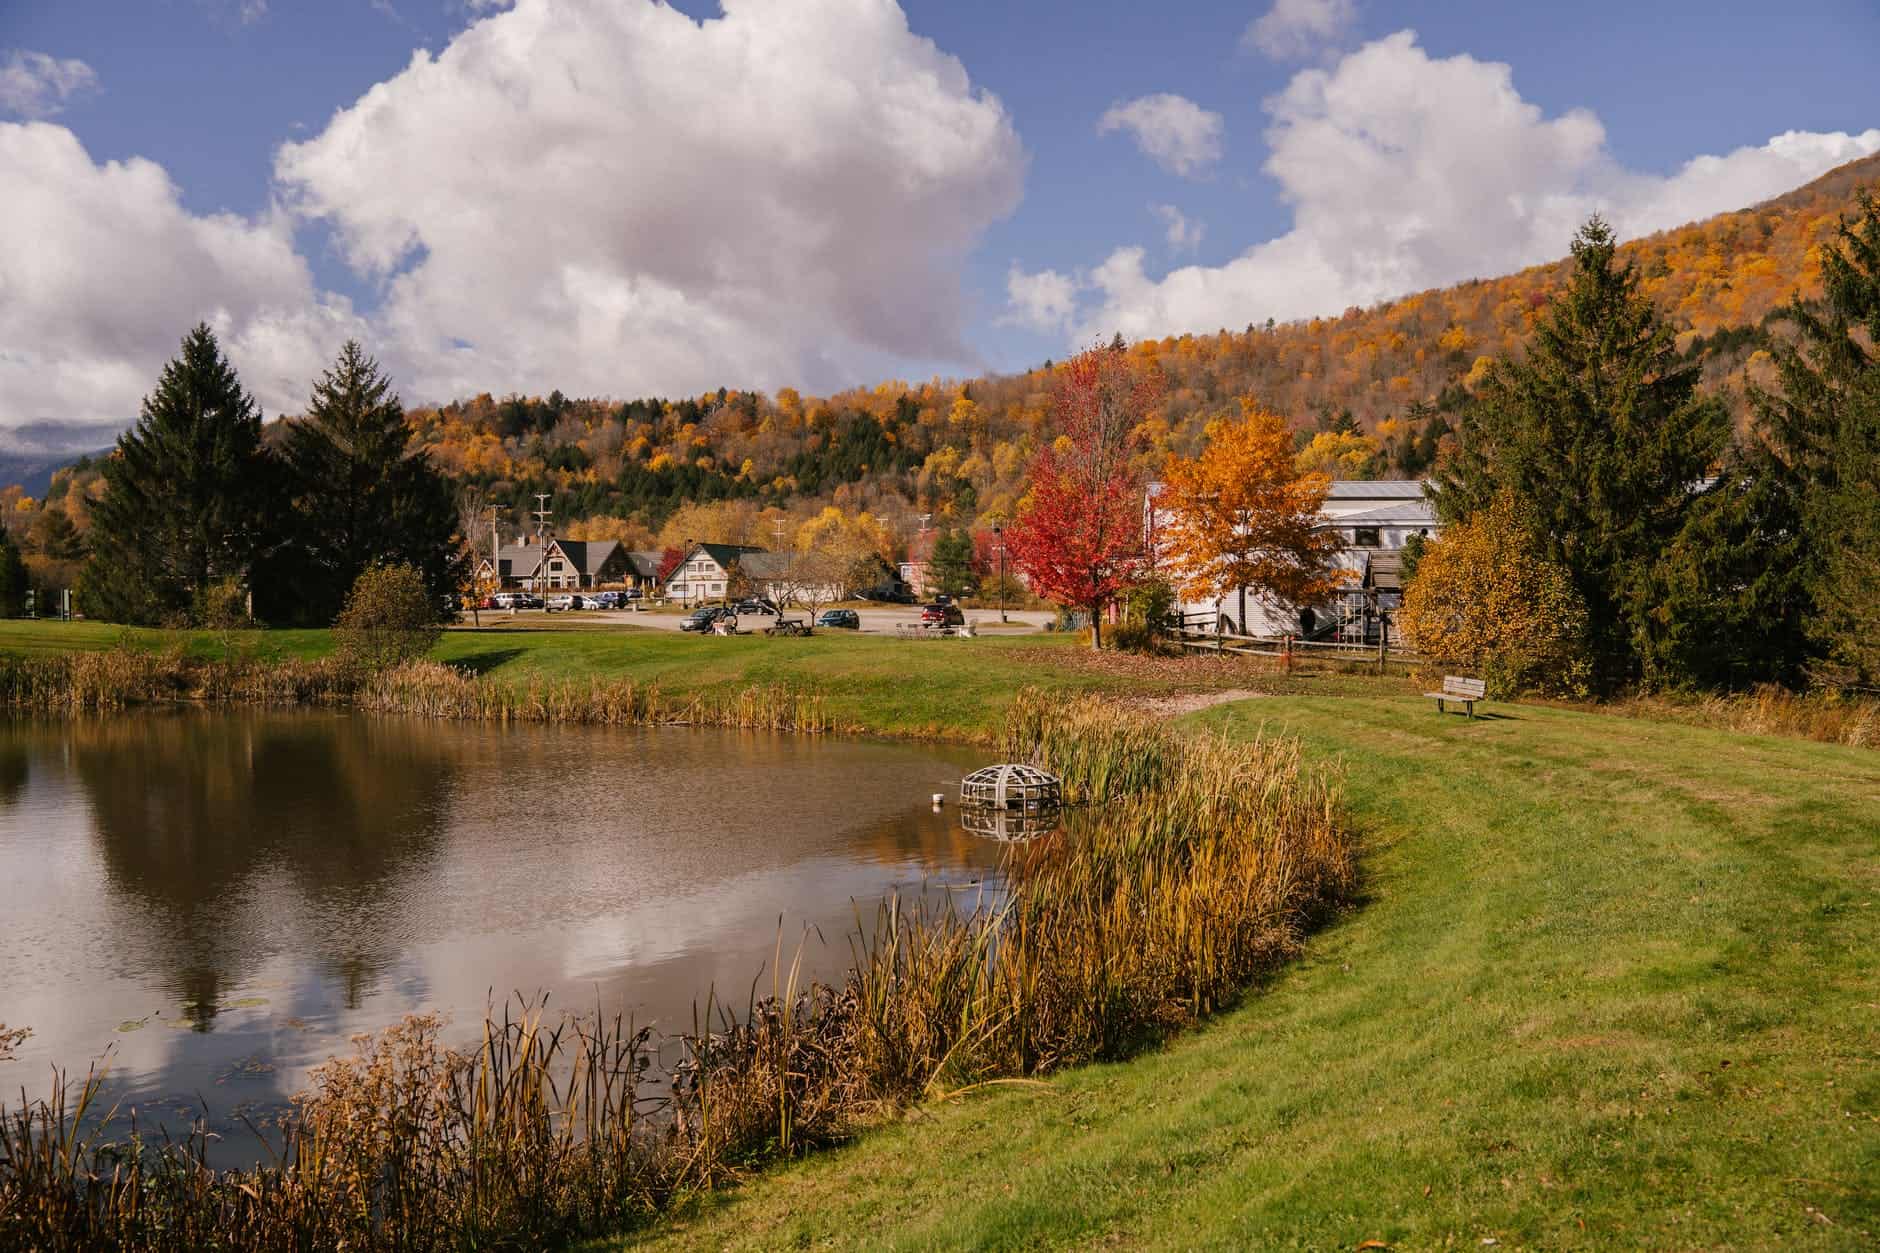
(1486, 598)
(1078, 537)
(1241, 514)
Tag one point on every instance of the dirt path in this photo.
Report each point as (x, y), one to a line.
(1189, 702)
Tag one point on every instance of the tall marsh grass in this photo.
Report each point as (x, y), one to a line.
(431, 690)
(1830, 717)
(1201, 867)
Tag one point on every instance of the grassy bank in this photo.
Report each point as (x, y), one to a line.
(954, 689)
(1613, 986)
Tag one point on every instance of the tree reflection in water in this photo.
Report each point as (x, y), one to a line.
(194, 812)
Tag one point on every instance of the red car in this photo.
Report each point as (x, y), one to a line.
(942, 616)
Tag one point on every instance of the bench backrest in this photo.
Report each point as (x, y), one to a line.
(1465, 689)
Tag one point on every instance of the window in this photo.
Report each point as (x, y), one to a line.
(1366, 537)
(555, 566)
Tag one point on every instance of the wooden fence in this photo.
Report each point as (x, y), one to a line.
(1202, 633)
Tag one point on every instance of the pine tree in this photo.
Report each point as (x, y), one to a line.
(950, 569)
(13, 580)
(361, 497)
(186, 493)
(1601, 436)
(1815, 466)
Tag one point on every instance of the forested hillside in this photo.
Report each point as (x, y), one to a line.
(1370, 392)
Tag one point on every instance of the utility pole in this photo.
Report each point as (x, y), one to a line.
(543, 516)
(998, 535)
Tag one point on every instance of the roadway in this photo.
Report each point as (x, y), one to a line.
(876, 619)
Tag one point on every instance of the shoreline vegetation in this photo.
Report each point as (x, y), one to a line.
(538, 675)
(1201, 868)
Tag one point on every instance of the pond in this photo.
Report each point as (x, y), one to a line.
(225, 898)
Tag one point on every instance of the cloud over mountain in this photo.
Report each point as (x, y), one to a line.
(1406, 172)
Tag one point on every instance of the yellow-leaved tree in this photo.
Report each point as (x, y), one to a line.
(1485, 601)
(1242, 515)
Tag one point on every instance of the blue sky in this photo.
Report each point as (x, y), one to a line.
(210, 90)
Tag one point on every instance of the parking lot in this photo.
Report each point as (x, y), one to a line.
(876, 619)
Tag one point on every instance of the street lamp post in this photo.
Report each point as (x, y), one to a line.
(998, 536)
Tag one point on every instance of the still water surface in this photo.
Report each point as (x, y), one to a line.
(225, 898)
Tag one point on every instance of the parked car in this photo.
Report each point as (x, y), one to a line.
(753, 605)
(605, 600)
(942, 615)
(701, 619)
(847, 619)
(632, 593)
(561, 602)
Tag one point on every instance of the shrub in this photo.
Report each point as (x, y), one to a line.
(1485, 599)
(389, 618)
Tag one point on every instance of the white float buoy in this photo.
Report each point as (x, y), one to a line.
(938, 799)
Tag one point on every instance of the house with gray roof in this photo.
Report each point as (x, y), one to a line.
(704, 573)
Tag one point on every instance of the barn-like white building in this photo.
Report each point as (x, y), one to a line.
(1376, 518)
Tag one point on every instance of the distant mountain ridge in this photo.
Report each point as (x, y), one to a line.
(32, 472)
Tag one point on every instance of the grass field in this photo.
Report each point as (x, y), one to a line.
(1614, 987)
(930, 688)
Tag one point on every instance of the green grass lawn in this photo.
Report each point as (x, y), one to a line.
(933, 688)
(1616, 985)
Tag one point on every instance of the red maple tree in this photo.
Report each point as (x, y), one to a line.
(1079, 539)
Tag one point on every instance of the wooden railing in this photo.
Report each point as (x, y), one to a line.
(1201, 633)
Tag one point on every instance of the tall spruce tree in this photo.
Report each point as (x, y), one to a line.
(13, 578)
(362, 496)
(1601, 435)
(186, 494)
(1815, 464)
(950, 569)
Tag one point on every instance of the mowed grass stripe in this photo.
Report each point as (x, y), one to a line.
(1613, 985)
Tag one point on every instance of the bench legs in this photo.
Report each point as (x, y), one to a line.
(1442, 704)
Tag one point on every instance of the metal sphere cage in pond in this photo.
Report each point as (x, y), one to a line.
(1012, 786)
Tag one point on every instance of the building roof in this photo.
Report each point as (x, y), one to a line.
(1402, 513)
(645, 562)
(587, 556)
(1376, 489)
(758, 564)
(723, 554)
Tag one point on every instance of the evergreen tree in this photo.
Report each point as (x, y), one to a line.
(361, 495)
(951, 567)
(1815, 466)
(1600, 434)
(13, 578)
(186, 493)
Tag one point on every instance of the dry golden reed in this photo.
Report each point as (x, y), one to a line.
(1199, 863)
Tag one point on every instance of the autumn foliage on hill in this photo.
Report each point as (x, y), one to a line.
(1371, 392)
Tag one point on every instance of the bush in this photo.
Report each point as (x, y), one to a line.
(1486, 600)
(389, 619)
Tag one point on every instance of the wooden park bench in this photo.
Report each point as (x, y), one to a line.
(1463, 691)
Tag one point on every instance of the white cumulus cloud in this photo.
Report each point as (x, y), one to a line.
(36, 85)
(1044, 301)
(606, 196)
(102, 270)
(1406, 172)
(1173, 131)
(1182, 232)
(1295, 29)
